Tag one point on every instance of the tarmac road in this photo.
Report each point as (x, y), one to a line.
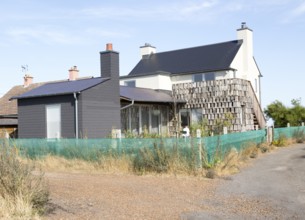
(273, 187)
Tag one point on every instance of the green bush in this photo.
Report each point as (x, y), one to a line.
(17, 178)
(299, 136)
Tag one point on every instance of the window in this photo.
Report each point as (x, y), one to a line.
(155, 120)
(197, 115)
(203, 77)
(185, 117)
(209, 76)
(53, 114)
(131, 83)
(198, 77)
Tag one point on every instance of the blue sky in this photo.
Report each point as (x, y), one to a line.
(53, 35)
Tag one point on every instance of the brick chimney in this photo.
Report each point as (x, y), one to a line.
(73, 73)
(28, 80)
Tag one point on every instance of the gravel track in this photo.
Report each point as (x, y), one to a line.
(272, 187)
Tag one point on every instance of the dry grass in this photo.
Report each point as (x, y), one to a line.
(104, 164)
(17, 208)
(23, 191)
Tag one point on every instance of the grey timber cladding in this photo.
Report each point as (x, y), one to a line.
(99, 110)
(32, 116)
(190, 60)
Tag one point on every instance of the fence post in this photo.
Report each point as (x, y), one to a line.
(198, 134)
(302, 124)
(270, 134)
(288, 125)
(225, 130)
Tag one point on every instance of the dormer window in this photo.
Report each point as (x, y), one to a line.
(131, 83)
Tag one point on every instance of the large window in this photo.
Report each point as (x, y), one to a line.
(203, 77)
(145, 118)
(53, 114)
(185, 117)
(198, 77)
(197, 115)
(155, 120)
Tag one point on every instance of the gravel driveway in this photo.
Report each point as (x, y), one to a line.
(276, 181)
(272, 187)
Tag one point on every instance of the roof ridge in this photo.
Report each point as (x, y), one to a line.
(206, 45)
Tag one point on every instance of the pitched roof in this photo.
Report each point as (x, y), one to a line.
(9, 107)
(145, 95)
(62, 88)
(206, 58)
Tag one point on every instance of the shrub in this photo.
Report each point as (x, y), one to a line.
(299, 136)
(17, 181)
(152, 160)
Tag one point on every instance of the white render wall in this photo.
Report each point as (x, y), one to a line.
(244, 62)
(189, 78)
(151, 82)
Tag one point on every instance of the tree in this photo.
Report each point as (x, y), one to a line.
(282, 115)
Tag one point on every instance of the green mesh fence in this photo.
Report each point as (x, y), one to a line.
(287, 132)
(94, 149)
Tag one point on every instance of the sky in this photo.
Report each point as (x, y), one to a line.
(51, 36)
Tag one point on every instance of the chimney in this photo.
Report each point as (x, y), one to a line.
(246, 35)
(28, 80)
(147, 50)
(110, 63)
(73, 73)
(108, 46)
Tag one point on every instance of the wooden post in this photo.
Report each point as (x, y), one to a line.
(198, 134)
(225, 130)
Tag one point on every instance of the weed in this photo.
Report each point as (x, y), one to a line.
(299, 136)
(281, 141)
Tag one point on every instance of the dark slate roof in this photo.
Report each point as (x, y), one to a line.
(206, 58)
(62, 88)
(145, 95)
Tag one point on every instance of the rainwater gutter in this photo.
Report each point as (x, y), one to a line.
(76, 113)
(127, 106)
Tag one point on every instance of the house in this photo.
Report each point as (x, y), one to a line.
(217, 82)
(8, 110)
(90, 107)
(214, 83)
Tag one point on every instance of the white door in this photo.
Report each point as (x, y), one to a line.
(53, 121)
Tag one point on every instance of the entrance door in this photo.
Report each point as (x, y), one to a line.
(53, 121)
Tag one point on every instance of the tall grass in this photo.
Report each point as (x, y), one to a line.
(23, 190)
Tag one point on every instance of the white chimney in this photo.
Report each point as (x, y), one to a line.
(28, 80)
(244, 33)
(73, 73)
(146, 50)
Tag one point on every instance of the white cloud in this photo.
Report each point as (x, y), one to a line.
(166, 11)
(299, 10)
(106, 33)
(43, 34)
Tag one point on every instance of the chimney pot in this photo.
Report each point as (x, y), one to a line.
(109, 46)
